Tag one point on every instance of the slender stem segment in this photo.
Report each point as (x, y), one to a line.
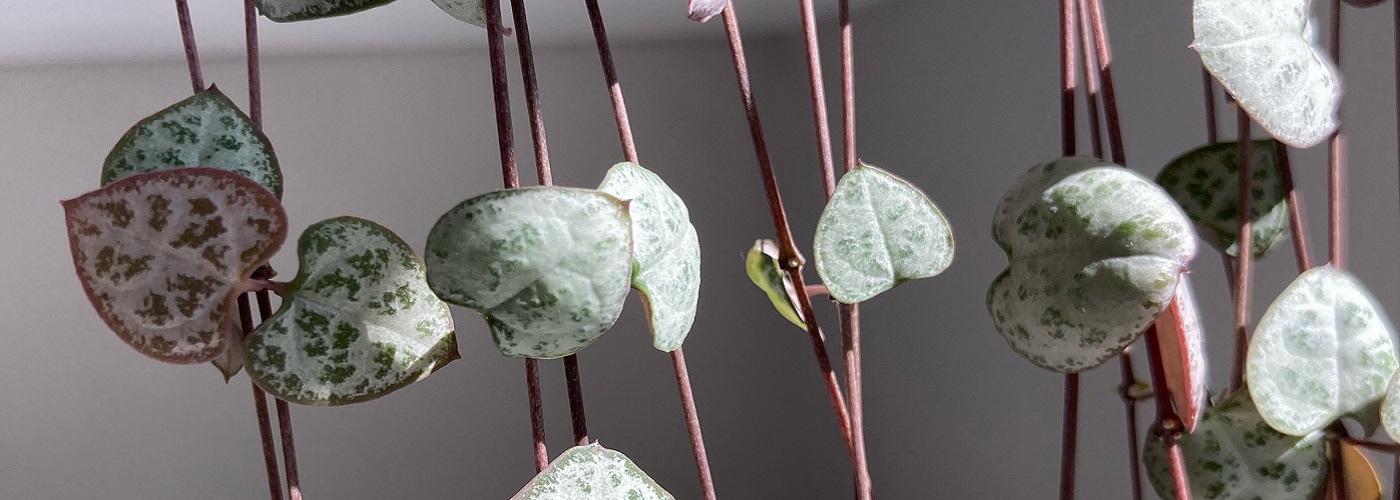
(182, 10)
(1070, 442)
(1069, 69)
(1208, 89)
(576, 413)
(624, 126)
(1336, 161)
(1129, 376)
(274, 479)
(692, 424)
(850, 339)
(532, 381)
(1110, 97)
(1092, 99)
(1244, 253)
(818, 92)
(1295, 208)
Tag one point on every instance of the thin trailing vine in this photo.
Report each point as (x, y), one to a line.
(1069, 140)
(1244, 258)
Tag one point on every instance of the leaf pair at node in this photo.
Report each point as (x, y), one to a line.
(285, 11)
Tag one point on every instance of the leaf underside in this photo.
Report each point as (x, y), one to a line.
(1324, 349)
(665, 252)
(1095, 254)
(231, 361)
(1260, 52)
(761, 263)
(592, 472)
(548, 267)
(1234, 455)
(285, 11)
(205, 130)
(1182, 347)
(161, 255)
(877, 232)
(472, 12)
(357, 323)
(1205, 182)
(703, 10)
(1359, 475)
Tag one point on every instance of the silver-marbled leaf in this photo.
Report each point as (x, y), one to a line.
(205, 130)
(472, 12)
(592, 472)
(665, 251)
(877, 232)
(1205, 182)
(1390, 408)
(1260, 51)
(548, 267)
(162, 255)
(1234, 455)
(357, 323)
(761, 263)
(285, 11)
(703, 10)
(1095, 253)
(1323, 350)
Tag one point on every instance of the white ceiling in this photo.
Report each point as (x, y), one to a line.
(79, 31)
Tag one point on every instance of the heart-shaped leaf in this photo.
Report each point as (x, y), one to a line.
(358, 322)
(285, 11)
(1234, 455)
(206, 130)
(1095, 254)
(665, 251)
(1182, 346)
(548, 267)
(1205, 182)
(877, 232)
(162, 255)
(1323, 349)
(703, 10)
(1261, 53)
(592, 472)
(468, 11)
(762, 266)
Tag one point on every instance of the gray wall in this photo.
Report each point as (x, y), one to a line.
(960, 100)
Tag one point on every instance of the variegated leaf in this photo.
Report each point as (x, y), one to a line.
(1095, 254)
(358, 322)
(703, 10)
(665, 251)
(206, 130)
(592, 472)
(549, 268)
(1234, 455)
(1324, 349)
(285, 11)
(1181, 343)
(762, 266)
(877, 232)
(162, 255)
(1205, 182)
(468, 11)
(1261, 53)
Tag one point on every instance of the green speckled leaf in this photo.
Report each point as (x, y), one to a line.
(358, 322)
(1261, 53)
(1324, 349)
(1235, 455)
(762, 266)
(665, 251)
(206, 130)
(549, 268)
(1205, 182)
(877, 232)
(1095, 254)
(162, 255)
(285, 11)
(468, 11)
(1181, 343)
(592, 472)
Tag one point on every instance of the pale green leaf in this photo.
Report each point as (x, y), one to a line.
(592, 472)
(1095, 254)
(1261, 53)
(1205, 182)
(549, 268)
(284, 11)
(468, 11)
(358, 322)
(762, 266)
(1324, 349)
(665, 251)
(1234, 455)
(877, 232)
(162, 256)
(206, 130)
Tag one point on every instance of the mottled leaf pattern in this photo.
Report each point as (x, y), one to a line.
(665, 251)
(285, 11)
(1182, 347)
(206, 130)
(762, 266)
(1324, 349)
(1205, 182)
(358, 322)
(468, 11)
(876, 232)
(1235, 455)
(1261, 53)
(548, 267)
(703, 10)
(162, 255)
(592, 472)
(1095, 254)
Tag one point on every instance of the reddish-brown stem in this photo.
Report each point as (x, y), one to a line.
(1295, 208)
(1244, 253)
(850, 341)
(532, 383)
(1212, 123)
(1336, 433)
(1168, 424)
(1129, 376)
(692, 424)
(1110, 97)
(817, 89)
(1091, 80)
(1069, 69)
(182, 10)
(1391, 448)
(848, 86)
(576, 413)
(532, 93)
(274, 479)
(1070, 442)
(624, 126)
(816, 290)
(1336, 162)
